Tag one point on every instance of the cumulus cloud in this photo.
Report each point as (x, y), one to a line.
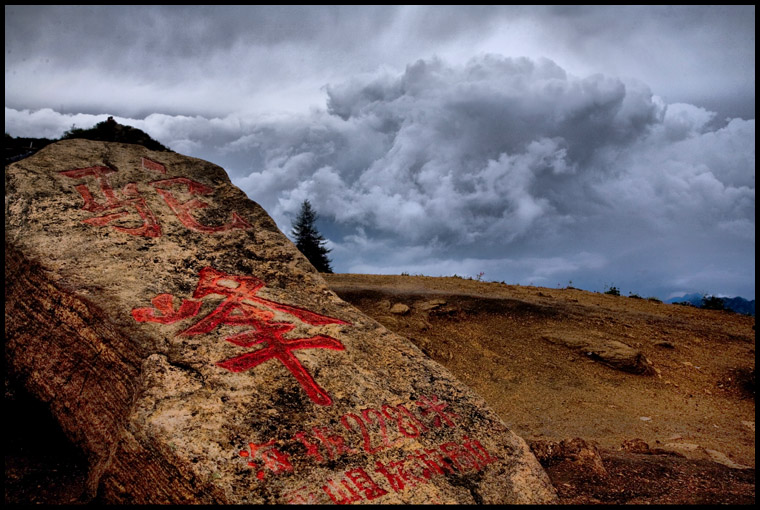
(502, 156)
(509, 166)
(454, 154)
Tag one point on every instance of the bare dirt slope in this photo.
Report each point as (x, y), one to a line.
(549, 362)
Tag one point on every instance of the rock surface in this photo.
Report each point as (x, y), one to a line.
(195, 356)
(581, 455)
(400, 309)
(613, 353)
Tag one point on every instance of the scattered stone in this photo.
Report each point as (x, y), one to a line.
(636, 446)
(610, 352)
(641, 447)
(432, 305)
(645, 418)
(579, 453)
(195, 356)
(665, 344)
(400, 309)
(689, 447)
(722, 458)
(709, 453)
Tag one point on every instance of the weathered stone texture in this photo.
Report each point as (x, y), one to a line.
(197, 357)
(611, 352)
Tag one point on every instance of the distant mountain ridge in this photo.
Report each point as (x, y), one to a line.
(736, 304)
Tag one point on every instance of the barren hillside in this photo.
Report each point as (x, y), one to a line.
(564, 363)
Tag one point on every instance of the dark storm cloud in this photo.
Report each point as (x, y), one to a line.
(697, 54)
(613, 162)
(176, 59)
(104, 32)
(460, 152)
(486, 164)
(216, 60)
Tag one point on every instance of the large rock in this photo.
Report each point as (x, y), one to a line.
(196, 356)
(613, 353)
(584, 458)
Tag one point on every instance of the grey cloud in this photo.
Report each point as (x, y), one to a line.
(180, 59)
(180, 31)
(216, 60)
(517, 155)
(698, 54)
(509, 166)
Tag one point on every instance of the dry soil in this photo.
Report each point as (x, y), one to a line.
(681, 433)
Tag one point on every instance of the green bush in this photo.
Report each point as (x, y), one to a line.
(111, 131)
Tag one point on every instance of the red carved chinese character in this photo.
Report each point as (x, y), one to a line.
(478, 451)
(149, 164)
(281, 349)
(242, 298)
(431, 462)
(150, 226)
(462, 458)
(433, 405)
(182, 209)
(365, 483)
(397, 475)
(336, 445)
(241, 308)
(400, 413)
(163, 303)
(273, 459)
(312, 447)
(100, 173)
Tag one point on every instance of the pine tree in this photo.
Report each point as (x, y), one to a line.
(713, 303)
(308, 240)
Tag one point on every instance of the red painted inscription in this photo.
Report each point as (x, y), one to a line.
(269, 457)
(242, 307)
(355, 484)
(393, 422)
(182, 209)
(114, 208)
(149, 164)
(433, 406)
(415, 467)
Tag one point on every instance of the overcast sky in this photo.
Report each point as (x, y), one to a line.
(603, 146)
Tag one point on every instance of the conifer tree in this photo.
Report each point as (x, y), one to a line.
(308, 239)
